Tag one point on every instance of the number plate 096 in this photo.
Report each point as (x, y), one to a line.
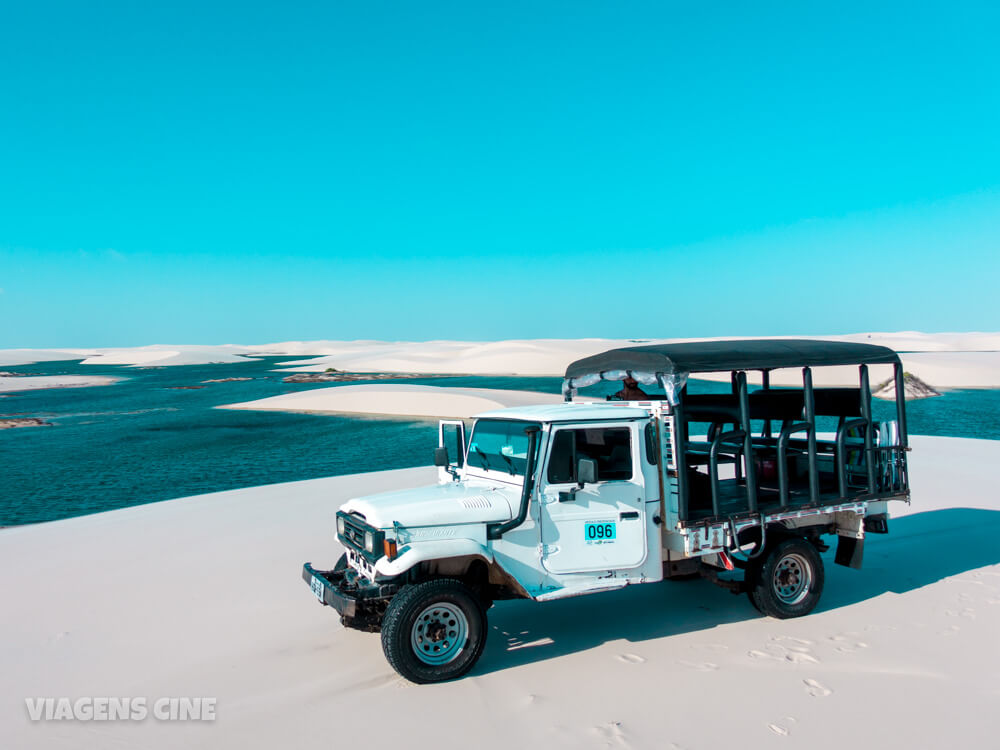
(599, 532)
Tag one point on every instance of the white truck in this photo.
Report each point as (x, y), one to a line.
(547, 502)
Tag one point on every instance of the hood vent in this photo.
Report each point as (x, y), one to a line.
(477, 502)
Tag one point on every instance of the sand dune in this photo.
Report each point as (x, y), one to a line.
(14, 357)
(398, 400)
(202, 597)
(944, 360)
(168, 355)
(530, 357)
(31, 383)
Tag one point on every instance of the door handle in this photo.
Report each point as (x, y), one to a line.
(631, 515)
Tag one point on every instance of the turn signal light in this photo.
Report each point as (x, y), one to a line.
(726, 560)
(389, 547)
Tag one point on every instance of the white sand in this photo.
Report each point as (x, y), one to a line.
(14, 357)
(398, 400)
(203, 597)
(35, 382)
(943, 360)
(162, 356)
(519, 357)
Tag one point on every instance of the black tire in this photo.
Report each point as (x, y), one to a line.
(789, 581)
(341, 565)
(420, 620)
(752, 574)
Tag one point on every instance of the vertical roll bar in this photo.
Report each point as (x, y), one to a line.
(866, 413)
(900, 404)
(680, 461)
(751, 473)
(810, 418)
(765, 378)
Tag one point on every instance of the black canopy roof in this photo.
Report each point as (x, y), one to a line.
(715, 356)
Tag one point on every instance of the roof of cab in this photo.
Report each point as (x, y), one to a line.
(567, 412)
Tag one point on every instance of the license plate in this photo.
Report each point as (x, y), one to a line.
(317, 587)
(599, 533)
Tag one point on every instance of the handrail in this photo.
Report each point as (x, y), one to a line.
(848, 425)
(724, 438)
(786, 432)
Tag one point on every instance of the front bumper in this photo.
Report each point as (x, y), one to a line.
(331, 593)
(359, 602)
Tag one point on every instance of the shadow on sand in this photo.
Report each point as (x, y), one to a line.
(920, 549)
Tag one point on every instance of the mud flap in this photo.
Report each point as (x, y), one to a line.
(850, 552)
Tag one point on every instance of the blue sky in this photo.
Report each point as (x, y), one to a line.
(243, 173)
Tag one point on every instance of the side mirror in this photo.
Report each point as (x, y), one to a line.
(586, 471)
(441, 457)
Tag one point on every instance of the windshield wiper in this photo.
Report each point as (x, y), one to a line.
(483, 456)
(510, 464)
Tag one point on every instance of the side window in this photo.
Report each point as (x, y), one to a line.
(562, 459)
(652, 449)
(610, 447)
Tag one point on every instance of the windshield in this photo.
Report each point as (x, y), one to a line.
(500, 445)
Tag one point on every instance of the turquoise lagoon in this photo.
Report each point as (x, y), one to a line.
(153, 436)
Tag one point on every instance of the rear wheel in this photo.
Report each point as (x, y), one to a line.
(752, 568)
(789, 581)
(434, 631)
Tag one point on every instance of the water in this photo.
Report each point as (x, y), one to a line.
(140, 440)
(143, 440)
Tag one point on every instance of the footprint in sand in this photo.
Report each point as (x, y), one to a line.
(699, 666)
(777, 652)
(815, 689)
(779, 730)
(967, 612)
(847, 645)
(793, 642)
(800, 658)
(630, 658)
(612, 733)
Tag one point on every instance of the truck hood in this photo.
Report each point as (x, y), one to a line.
(437, 505)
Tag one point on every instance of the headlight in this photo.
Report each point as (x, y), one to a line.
(369, 541)
(340, 525)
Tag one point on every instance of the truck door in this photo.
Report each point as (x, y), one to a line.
(599, 526)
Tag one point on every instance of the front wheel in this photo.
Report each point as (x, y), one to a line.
(434, 631)
(789, 581)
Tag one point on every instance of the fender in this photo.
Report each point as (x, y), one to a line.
(436, 549)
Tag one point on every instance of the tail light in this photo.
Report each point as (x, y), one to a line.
(726, 560)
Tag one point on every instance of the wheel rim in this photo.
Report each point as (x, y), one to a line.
(792, 579)
(439, 634)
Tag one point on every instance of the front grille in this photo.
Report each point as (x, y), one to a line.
(354, 533)
(354, 536)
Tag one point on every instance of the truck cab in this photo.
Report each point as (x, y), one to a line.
(546, 502)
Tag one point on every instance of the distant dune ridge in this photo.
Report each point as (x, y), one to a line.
(935, 360)
(399, 400)
(913, 388)
(202, 596)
